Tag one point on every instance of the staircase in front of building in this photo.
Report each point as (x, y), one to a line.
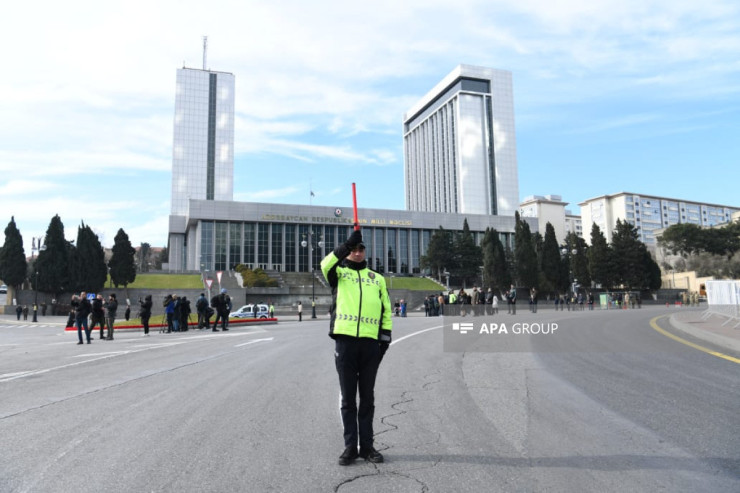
(301, 280)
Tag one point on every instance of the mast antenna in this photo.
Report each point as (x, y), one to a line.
(205, 51)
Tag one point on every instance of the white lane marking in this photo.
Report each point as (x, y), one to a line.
(9, 377)
(47, 370)
(254, 341)
(110, 353)
(5, 375)
(416, 334)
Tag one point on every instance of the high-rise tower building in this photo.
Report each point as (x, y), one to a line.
(203, 144)
(460, 145)
(203, 149)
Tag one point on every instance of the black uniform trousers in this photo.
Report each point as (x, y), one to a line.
(357, 361)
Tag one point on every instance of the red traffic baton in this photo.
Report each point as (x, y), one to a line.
(354, 206)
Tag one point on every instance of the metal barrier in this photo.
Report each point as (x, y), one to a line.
(723, 299)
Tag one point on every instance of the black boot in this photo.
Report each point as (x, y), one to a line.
(348, 456)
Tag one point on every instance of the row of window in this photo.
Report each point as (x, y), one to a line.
(279, 246)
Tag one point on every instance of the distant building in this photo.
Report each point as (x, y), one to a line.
(648, 213)
(460, 145)
(202, 148)
(573, 223)
(477, 182)
(549, 209)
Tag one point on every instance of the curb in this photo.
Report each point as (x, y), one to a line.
(718, 339)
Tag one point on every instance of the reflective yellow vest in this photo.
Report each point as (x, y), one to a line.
(361, 306)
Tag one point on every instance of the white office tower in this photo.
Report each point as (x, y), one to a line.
(202, 151)
(460, 145)
(203, 144)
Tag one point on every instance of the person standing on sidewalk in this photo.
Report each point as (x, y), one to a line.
(360, 325)
(111, 306)
(98, 315)
(300, 312)
(200, 306)
(82, 309)
(146, 312)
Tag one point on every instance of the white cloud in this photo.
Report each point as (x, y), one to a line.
(87, 101)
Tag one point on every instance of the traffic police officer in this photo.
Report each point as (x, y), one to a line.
(361, 328)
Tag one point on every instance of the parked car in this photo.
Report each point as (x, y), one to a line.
(3, 289)
(248, 311)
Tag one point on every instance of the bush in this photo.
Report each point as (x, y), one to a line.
(257, 278)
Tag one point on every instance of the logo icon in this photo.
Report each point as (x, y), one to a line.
(463, 328)
(337, 212)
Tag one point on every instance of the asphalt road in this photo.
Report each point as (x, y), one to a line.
(612, 406)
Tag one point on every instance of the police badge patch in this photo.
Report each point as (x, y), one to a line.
(371, 275)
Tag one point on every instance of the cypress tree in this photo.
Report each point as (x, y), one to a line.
(92, 260)
(52, 263)
(525, 255)
(13, 263)
(122, 265)
(599, 258)
(550, 265)
(467, 255)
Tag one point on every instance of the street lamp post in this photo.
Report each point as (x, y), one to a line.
(571, 281)
(35, 296)
(37, 247)
(309, 243)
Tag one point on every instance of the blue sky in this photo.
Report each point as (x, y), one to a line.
(609, 96)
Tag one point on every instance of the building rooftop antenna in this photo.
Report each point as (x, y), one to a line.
(205, 51)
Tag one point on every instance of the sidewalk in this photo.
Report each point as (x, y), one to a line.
(710, 329)
(47, 320)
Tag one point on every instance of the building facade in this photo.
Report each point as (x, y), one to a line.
(203, 145)
(547, 209)
(649, 214)
(573, 223)
(460, 145)
(219, 235)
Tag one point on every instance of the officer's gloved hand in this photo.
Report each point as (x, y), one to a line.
(345, 248)
(383, 348)
(354, 239)
(384, 340)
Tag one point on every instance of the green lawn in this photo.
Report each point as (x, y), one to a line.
(411, 283)
(164, 281)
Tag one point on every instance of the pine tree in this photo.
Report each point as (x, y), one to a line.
(627, 256)
(439, 252)
(122, 265)
(495, 268)
(467, 256)
(52, 263)
(599, 258)
(12, 258)
(550, 264)
(525, 255)
(93, 271)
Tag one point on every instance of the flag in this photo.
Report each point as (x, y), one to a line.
(313, 194)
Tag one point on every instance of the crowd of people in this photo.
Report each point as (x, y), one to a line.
(177, 312)
(89, 312)
(476, 302)
(479, 301)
